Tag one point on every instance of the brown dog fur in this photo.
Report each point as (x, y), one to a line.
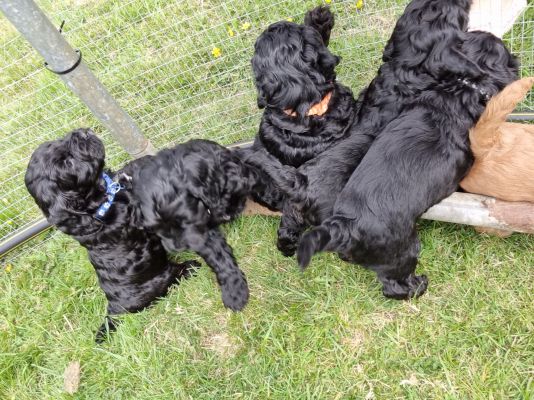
(504, 151)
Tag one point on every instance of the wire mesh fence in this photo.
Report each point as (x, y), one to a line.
(181, 69)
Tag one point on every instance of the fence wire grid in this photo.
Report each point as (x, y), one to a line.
(181, 69)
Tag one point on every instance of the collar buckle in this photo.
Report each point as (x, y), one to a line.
(466, 82)
(112, 188)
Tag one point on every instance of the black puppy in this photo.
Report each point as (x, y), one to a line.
(66, 177)
(179, 197)
(416, 42)
(184, 193)
(306, 110)
(419, 157)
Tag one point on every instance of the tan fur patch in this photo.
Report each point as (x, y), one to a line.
(504, 151)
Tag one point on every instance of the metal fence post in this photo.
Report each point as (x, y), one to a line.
(61, 58)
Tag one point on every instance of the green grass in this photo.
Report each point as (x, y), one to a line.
(324, 334)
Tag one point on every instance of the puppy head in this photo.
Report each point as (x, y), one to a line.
(62, 173)
(422, 24)
(440, 14)
(292, 67)
(492, 57)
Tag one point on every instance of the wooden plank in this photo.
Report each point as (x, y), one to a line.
(482, 211)
(467, 209)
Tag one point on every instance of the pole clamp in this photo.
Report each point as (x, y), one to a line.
(68, 69)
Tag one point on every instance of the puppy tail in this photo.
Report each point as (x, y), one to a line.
(312, 242)
(322, 20)
(483, 135)
(335, 234)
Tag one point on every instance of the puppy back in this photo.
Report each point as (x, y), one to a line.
(322, 20)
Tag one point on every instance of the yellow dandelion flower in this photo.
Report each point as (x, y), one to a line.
(9, 267)
(289, 19)
(216, 52)
(230, 31)
(245, 26)
(327, 1)
(359, 4)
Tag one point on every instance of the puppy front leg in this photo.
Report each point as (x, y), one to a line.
(212, 247)
(275, 178)
(290, 230)
(110, 324)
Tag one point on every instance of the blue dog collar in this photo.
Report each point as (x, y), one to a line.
(112, 188)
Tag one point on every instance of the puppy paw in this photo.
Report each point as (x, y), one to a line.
(347, 258)
(186, 269)
(410, 287)
(235, 292)
(108, 326)
(287, 246)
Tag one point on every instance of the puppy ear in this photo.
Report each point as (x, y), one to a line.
(388, 51)
(322, 20)
(57, 214)
(260, 80)
(491, 51)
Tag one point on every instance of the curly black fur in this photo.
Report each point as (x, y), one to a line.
(418, 35)
(64, 178)
(441, 77)
(178, 197)
(294, 70)
(184, 193)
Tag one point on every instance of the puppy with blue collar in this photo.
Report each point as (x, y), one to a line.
(129, 219)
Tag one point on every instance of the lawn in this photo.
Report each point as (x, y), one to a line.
(327, 333)
(324, 334)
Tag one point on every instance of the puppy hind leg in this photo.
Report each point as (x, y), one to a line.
(399, 279)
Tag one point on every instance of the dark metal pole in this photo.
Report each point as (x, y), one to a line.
(62, 59)
(521, 116)
(22, 236)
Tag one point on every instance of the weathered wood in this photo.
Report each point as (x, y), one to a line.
(482, 211)
(467, 209)
(252, 208)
